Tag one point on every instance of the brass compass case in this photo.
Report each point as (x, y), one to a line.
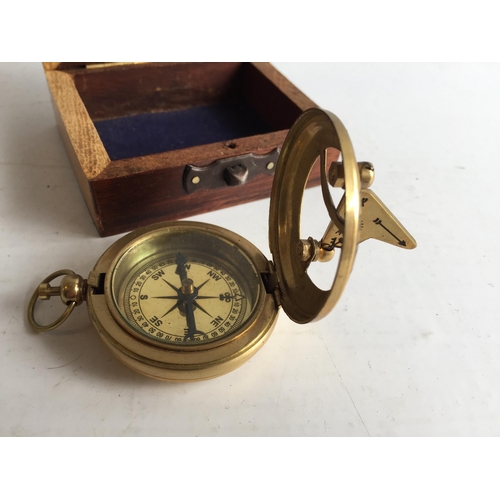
(185, 301)
(185, 359)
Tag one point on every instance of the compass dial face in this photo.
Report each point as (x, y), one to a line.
(187, 294)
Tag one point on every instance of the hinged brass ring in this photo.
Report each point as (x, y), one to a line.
(310, 138)
(31, 307)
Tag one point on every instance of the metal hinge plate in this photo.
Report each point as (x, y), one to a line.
(234, 171)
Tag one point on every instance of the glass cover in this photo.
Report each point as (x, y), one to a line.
(185, 286)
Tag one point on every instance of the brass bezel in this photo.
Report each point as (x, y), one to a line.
(148, 240)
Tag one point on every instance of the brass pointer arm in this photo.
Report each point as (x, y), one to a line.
(377, 221)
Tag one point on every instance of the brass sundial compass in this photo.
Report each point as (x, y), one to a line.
(183, 301)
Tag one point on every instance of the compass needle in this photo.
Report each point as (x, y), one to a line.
(181, 266)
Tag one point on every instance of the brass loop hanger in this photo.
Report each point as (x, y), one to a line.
(72, 293)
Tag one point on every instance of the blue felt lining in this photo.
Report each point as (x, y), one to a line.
(150, 133)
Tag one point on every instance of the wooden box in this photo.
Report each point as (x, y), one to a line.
(164, 141)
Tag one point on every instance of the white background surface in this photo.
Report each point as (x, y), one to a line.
(413, 347)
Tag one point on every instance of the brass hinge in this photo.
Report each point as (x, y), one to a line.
(271, 283)
(95, 282)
